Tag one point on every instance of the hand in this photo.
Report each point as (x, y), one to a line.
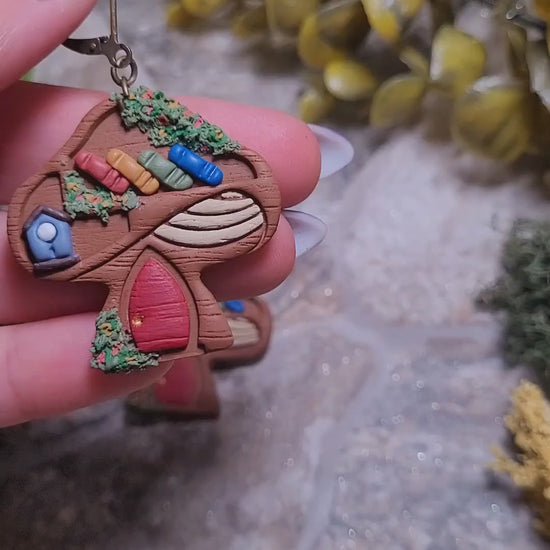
(46, 327)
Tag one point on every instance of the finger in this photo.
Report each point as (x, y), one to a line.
(25, 299)
(257, 273)
(29, 30)
(295, 161)
(45, 370)
(42, 118)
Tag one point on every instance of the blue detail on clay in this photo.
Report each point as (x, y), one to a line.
(195, 165)
(49, 238)
(235, 306)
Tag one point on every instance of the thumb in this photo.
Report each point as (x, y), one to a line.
(30, 29)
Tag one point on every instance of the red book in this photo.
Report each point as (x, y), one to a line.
(102, 172)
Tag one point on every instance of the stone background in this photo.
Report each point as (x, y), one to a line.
(369, 423)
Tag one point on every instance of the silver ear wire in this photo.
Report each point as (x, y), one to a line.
(120, 55)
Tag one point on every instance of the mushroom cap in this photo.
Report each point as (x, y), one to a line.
(246, 175)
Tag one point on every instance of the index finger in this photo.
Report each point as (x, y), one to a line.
(29, 30)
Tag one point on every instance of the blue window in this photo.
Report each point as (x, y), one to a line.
(48, 236)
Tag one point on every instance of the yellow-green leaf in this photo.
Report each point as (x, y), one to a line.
(516, 38)
(343, 23)
(389, 17)
(542, 9)
(288, 15)
(250, 22)
(312, 50)
(397, 100)
(458, 60)
(315, 104)
(348, 80)
(493, 119)
(539, 70)
(416, 61)
(202, 8)
(540, 134)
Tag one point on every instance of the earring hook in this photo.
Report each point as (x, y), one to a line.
(120, 55)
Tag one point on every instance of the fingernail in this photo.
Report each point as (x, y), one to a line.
(336, 150)
(4, 207)
(308, 230)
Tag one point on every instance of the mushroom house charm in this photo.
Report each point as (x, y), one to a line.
(188, 391)
(143, 197)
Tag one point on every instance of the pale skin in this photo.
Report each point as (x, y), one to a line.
(46, 327)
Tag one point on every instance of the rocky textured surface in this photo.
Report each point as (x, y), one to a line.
(369, 423)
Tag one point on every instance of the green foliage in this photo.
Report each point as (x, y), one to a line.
(129, 201)
(167, 122)
(82, 201)
(522, 294)
(113, 349)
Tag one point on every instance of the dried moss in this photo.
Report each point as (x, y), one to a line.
(529, 468)
(113, 349)
(83, 201)
(167, 122)
(522, 294)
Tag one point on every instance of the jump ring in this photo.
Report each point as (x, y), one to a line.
(124, 60)
(125, 81)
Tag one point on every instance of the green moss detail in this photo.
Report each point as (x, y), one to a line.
(113, 348)
(522, 294)
(167, 122)
(81, 201)
(129, 200)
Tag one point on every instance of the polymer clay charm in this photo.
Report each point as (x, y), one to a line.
(250, 323)
(126, 203)
(195, 165)
(188, 391)
(132, 170)
(47, 232)
(167, 172)
(101, 171)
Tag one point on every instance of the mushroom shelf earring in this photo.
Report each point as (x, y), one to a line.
(143, 197)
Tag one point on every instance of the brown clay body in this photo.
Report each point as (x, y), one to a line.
(114, 253)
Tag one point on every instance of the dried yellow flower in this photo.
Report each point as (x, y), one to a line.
(529, 423)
